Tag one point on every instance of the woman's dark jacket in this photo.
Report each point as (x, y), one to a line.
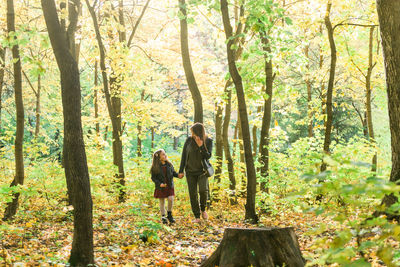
(158, 178)
(191, 147)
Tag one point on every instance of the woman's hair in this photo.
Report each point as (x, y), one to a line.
(198, 129)
(155, 166)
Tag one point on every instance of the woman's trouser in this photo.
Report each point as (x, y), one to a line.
(200, 181)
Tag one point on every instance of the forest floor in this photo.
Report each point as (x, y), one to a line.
(131, 233)
(43, 237)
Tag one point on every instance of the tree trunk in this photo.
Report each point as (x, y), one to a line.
(2, 70)
(266, 122)
(115, 86)
(243, 183)
(225, 131)
(309, 96)
(389, 21)
(257, 247)
(76, 170)
(323, 91)
(139, 128)
(237, 80)
(37, 126)
(118, 159)
(96, 100)
(12, 206)
(235, 137)
(139, 140)
(187, 65)
(113, 111)
(176, 143)
(218, 150)
(255, 141)
(368, 96)
(329, 93)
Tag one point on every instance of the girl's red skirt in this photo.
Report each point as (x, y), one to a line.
(164, 192)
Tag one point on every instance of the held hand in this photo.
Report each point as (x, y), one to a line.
(180, 176)
(199, 141)
(163, 185)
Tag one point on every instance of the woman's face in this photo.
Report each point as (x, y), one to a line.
(193, 134)
(163, 156)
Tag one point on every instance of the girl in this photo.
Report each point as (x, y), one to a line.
(196, 148)
(163, 173)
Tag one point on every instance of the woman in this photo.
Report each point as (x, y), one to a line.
(197, 147)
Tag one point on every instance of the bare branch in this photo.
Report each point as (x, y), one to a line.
(137, 23)
(30, 84)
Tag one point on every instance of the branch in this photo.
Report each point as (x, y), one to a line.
(137, 23)
(355, 24)
(213, 24)
(352, 61)
(73, 6)
(30, 84)
(162, 28)
(149, 57)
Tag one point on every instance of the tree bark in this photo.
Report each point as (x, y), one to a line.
(187, 65)
(237, 80)
(266, 122)
(139, 128)
(257, 247)
(235, 137)
(37, 126)
(218, 150)
(73, 14)
(11, 208)
(329, 93)
(2, 70)
(255, 141)
(389, 21)
(323, 91)
(309, 96)
(115, 86)
(243, 182)
(368, 96)
(225, 130)
(96, 100)
(76, 170)
(139, 140)
(152, 139)
(113, 107)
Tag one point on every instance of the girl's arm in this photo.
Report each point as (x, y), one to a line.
(155, 180)
(174, 173)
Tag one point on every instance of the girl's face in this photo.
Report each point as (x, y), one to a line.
(163, 156)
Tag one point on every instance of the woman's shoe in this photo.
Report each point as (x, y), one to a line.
(197, 220)
(204, 215)
(164, 220)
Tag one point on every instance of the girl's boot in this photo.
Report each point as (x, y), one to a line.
(170, 218)
(164, 219)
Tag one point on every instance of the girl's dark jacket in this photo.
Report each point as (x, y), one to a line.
(159, 178)
(205, 152)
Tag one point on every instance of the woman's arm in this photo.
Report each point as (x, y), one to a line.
(184, 156)
(206, 153)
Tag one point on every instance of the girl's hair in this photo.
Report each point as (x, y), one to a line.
(155, 166)
(198, 129)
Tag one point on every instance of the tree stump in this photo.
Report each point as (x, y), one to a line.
(257, 247)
